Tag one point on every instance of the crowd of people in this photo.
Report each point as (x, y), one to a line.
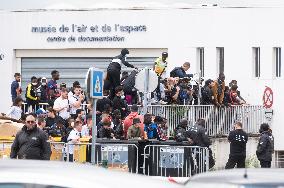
(180, 88)
(117, 113)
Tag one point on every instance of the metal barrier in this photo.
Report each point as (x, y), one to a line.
(57, 151)
(175, 161)
(156, 160)
(219, 121)
(34, 108)
(115, 156)
(5, 149)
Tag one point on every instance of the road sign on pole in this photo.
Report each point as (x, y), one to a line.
(96, 85)
(96, 92)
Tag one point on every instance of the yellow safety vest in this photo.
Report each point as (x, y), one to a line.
(160, 66)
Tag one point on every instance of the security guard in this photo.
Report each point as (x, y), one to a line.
(265, 146)
(238, 139)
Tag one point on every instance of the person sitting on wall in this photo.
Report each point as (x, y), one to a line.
(114, 70)
(181, 71)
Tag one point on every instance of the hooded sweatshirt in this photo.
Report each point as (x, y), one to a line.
(129, 121)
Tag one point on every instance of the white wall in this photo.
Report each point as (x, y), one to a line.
(179, 31)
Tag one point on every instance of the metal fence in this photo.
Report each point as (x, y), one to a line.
(175, 161)
(122, 157)
(153, 160)
(219, 121)
(5, 149)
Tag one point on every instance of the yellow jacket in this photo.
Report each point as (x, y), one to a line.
(30, 93)
(160, 66)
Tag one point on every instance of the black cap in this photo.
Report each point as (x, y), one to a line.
(165, 54)
(134, 108)
(124, 51)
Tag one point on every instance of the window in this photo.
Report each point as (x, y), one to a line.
(277, 62)
(220, 59)
(200, 60)
(256, 61)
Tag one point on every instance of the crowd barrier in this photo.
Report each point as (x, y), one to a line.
(152, 158)
(218, 121)
(175, 160)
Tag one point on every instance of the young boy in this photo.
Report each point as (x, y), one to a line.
(134, 130)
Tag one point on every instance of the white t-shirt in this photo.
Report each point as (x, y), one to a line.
(62, 103)
(70, 94)
(15, 112)
(74, 134)
(72, 100)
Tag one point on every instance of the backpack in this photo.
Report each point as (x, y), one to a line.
(173, 72)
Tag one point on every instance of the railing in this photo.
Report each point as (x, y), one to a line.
(146, 158)
(218, 121)
(123, 157)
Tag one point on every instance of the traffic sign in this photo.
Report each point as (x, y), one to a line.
(141, 79)
(267, 97)
(96, 83)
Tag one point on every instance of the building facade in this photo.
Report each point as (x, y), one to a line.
(244, 43)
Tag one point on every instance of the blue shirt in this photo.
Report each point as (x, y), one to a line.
(14, 87)
(151, 131)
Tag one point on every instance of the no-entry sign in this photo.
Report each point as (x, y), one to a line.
(267, 97)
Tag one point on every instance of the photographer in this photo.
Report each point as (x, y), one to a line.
(172, 90)
(181, 71)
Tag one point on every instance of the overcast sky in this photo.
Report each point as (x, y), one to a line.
(77, 4)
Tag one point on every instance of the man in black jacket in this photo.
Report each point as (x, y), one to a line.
(180, 131)
(238, 140)
(198, 136)
(265, 146)
(30, 142)
(114, 70)
(206, 93)
(181, 71)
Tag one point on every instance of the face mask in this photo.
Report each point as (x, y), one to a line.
(122, 97)
(34, 84)
(44, 84)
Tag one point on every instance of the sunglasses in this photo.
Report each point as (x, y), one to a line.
(30, 122)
